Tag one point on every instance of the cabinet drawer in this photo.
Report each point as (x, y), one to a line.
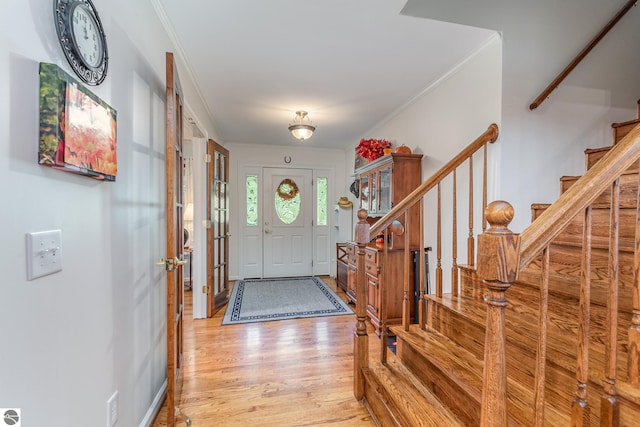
(371, 269)
(351, 254)
(371, 256)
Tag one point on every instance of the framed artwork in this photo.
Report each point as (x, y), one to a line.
(359, 162)
(77, 129)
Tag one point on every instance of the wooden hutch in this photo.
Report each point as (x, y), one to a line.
(383, 183)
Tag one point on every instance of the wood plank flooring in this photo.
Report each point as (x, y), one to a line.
(283, 373)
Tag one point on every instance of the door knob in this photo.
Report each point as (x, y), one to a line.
(267, 231)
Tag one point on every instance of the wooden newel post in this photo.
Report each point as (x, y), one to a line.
(361, 339)
(498, 258)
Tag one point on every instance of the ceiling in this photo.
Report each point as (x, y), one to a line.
(350, 63)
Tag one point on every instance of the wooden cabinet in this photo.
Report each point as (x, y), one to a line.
(342, 266)
(373, 268)
(384, 183)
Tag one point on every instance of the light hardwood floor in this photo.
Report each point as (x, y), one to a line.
(283, 373)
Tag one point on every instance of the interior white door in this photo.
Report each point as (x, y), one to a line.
(288, 222)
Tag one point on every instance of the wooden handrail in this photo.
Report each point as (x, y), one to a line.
(580, 195)
(489, 136)
(573, 64)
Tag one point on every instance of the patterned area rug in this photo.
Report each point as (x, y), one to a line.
(279, 299)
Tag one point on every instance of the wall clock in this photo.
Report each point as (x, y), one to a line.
(82, 39)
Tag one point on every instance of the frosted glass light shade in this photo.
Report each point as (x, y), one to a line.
(299, 129)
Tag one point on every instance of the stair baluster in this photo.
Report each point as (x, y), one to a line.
(422, 309)
(470, 239)
(484, 188)
(439, 245)
(382, 304)
(580, 410)
(454, 237)
(541, 352)
(361, 338)
(609, 412)
(408, 267)
(633, 362)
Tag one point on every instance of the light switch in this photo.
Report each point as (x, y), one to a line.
(44, 253)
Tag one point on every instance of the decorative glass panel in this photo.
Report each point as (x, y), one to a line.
(385, 190)
(321, 185)
(364, 192)
(252, 200)
(287, 201)
(373, 194)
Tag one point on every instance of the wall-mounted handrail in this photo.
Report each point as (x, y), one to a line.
(573, 64)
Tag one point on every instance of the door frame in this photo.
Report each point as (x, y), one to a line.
(245, 248)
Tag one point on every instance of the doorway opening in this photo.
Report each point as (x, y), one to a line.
(284, 222)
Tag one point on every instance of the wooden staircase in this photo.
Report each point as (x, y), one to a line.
(529, 369)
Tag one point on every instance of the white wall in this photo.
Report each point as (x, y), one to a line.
(447, 117)
(539, 39)
(73, 338)
(306, 156)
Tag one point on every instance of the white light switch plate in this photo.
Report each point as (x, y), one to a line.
(44, 253)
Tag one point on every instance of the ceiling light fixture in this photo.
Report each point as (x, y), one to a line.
(301, 128)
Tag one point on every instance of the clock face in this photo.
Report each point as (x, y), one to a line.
(86, 36)
(82, 39)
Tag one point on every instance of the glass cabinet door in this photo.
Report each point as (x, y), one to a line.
(364, 192)
(374, 193)
(385, 190)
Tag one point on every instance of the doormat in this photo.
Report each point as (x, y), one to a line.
(262, 300)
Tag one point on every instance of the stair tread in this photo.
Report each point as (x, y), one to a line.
(419, 408)
(467, 371)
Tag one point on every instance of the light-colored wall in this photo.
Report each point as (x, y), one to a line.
(447, 117)
(73, 338)
(539, 39)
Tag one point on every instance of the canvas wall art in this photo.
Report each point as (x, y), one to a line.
(77, 129)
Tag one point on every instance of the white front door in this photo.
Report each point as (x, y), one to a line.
(288, 222)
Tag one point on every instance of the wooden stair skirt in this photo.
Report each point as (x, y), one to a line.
(436, 377)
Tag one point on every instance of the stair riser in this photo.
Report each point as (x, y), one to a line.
(572, 234)
(471, 285)
(628, 191)
(465, 406)
(377, 404)
(621, 130)
(566, 260)
(593, 156)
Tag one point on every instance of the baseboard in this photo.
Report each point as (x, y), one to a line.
(155, 406)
